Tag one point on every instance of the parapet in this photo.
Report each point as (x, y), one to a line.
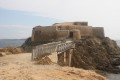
(81, 23)
(71, 23)
(98, 32)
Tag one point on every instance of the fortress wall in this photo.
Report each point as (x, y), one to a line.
(48, 28)
(33, 35)
(76, 34)
(45, 36)
(64, 24)
(65, 27)
(48, 33)
(98, 32)
(71, 23)
(44, 28)
(85, 31)
(62, 34)
(41, 33)
(36, 28)
(81, 23)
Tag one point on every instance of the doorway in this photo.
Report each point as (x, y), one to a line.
(71, 35)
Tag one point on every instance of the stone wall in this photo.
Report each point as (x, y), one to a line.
(40, 33)
(81, 23)
(62, 34)
(71, 23)
(76, 34)
(98, 32)
(45, 36)
(66, 27)
(85, 31)
(57, 31)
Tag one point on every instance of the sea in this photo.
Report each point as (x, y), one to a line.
(111, 76)
(114, 76)
(11, 42)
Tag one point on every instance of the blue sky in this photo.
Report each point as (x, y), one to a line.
(18, 17)
(13, 17)
(18, 24)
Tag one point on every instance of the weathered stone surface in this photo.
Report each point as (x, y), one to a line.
(63, 30)
(96, 54)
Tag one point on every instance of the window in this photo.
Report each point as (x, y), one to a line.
(59, 27)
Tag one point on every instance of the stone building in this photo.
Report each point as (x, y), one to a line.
(66, 30)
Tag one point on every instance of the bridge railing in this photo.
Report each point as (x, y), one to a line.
(46, 49)
(65, 46)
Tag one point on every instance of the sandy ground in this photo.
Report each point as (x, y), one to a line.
(20, 67)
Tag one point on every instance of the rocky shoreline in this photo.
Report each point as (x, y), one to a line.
(97, 54)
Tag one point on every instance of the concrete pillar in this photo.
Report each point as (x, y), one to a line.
(64, 58)
(68, 57)
(65, 55)
(61, 58)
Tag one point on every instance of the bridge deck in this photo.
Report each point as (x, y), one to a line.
(46, 49)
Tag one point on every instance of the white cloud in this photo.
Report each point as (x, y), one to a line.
(97, 12)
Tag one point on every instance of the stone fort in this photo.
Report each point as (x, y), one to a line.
(66, 30)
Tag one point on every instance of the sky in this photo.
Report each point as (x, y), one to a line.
(18, 17)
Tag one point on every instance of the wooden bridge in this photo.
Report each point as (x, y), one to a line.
(64, 51)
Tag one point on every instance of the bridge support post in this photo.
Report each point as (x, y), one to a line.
(64, 58)
(61, 58)
(68, 57)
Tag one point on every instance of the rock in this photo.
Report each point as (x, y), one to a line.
(116, 62)
(8, 51)
(2, 54)
(94, 53)
(44, 61)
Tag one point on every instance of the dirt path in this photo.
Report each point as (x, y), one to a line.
(20, 67)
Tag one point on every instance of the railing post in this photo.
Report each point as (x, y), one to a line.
(70, 56)
(32, 55)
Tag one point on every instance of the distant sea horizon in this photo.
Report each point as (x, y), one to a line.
(11, 42)
(18, 42)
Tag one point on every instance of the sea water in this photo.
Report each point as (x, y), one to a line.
(112, 76)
